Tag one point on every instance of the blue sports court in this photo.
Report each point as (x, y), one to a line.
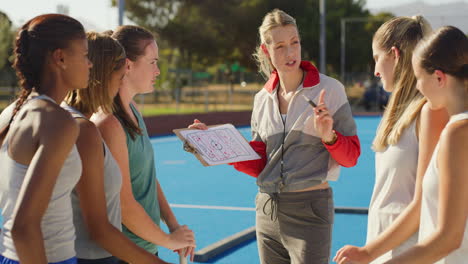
(217, 202)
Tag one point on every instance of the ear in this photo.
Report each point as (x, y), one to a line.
(265, 49)
(128, 65)
(396, 52)
(441, 77)
(58, 58)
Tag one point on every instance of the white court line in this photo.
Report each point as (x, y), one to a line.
(212, 207)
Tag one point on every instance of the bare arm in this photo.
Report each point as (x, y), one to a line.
(57, 135)
(169, 217)
(453, 200)
(134, 216)
(90, 190)
(407, 223)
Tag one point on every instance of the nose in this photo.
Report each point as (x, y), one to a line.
(90, 64)
(157, 71)
(289, 51)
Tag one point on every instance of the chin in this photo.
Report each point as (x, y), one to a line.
(149, 89)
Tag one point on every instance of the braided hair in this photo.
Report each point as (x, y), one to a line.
(35, 40)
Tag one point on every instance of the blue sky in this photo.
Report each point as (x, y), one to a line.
(99, 15)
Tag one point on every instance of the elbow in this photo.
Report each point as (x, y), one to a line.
(449, 241)
(454, 243)
(348, 163)
(99, 233)
(23, 230)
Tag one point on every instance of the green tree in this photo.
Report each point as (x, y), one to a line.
(6, 40)
(213, 31)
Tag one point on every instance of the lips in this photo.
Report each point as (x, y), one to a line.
(291, 63)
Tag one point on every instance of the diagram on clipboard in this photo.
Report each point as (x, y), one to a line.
(219, 144)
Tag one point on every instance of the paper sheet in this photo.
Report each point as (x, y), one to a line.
(219, 144)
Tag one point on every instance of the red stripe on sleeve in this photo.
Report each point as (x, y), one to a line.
(253, 167)
(346, 150)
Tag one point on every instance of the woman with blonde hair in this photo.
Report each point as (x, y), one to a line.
(441, 66)
(96, 198)
(301, 147)
(405, 140)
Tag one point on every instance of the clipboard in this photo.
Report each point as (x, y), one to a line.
(219, 144)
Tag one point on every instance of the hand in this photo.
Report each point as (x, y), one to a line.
(187, 251)
(198, 125)
(323, 121)
(181, 237)
(352, 255)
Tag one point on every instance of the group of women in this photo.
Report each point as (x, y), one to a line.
(78, 178)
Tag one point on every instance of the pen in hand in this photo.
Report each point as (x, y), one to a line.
(310, 102)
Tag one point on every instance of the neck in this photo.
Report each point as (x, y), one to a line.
(457, 101)
(291, 80)
(53, 89)
(126, 95)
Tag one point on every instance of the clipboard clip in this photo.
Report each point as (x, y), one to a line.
(189, 148)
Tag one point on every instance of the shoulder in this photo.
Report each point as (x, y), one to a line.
(335, 91)
(110, 128)
(454, 141)
(51, 122)
(429, 113)
(262, 93)
(431, 117)
(88, 132)
(457, 132)
(106, 121)
(331, 83)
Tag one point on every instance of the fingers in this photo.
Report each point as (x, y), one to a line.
(344, 261)
(339, 254)
(191, 252)
(322, 97)
(197, 124)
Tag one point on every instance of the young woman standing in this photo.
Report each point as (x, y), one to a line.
(96, 198)
(302, 148)
(142, 199)
(39, 160)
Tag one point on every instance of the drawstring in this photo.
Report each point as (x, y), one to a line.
(273, 200)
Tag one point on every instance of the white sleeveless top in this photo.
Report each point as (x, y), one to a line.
(430, 205)
(85, 247)
(395, 179)
(57, 223)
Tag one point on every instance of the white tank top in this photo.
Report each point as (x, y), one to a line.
(57, 223)
(395, 179)
(85, 247)
(430, 205)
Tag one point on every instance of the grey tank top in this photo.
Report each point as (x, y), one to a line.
(57, 223)
(85, 247)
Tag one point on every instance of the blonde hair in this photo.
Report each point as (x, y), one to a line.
(273, 19)
(107, 56)
(406, 101)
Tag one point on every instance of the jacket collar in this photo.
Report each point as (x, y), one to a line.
(311, 79)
